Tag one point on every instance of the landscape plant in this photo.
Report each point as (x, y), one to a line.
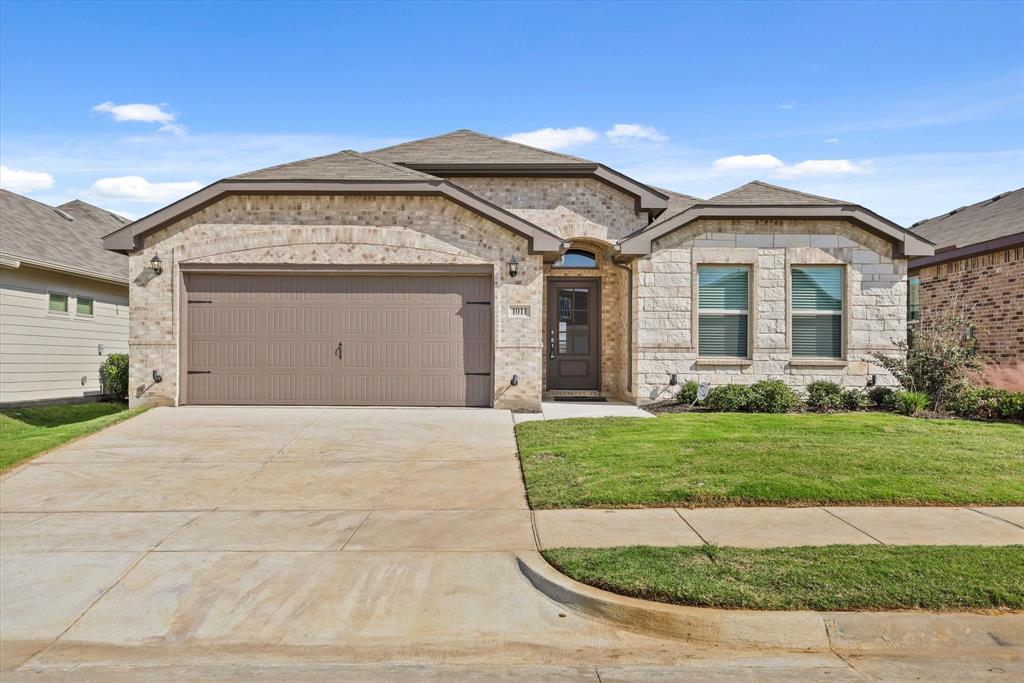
(114, 376)
(824, 396)
(687, 392)
(729, 398)
(772, 396)
(911, 402)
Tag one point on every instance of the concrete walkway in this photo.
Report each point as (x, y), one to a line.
(562, 410)
(764, 527)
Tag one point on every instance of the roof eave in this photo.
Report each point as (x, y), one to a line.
(976, 249)
(907, 243)
(129, 238)
(15, 262)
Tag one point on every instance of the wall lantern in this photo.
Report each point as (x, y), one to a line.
(515, 380)
(513, 266)
(157, 264)
(673, 380)
(157, 377)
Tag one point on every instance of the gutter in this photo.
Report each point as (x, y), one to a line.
(16, 262)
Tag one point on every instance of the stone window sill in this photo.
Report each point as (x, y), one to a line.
(818, 362)
(743, 362)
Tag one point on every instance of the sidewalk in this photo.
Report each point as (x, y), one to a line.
(764, 527)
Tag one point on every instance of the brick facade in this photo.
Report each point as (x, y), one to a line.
(991, 288)
(664, 295)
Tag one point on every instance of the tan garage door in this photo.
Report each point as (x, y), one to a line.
(411, 340)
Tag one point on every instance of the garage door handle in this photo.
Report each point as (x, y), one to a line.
(338, 351)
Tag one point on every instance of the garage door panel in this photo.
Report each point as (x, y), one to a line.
(405, 340)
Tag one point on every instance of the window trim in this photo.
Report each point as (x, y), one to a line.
(66, 313)
(843, 312)
(751, 269)
(592, 254)
(92, 307)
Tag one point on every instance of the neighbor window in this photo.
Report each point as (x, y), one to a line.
(913, 299)
(817, 311)
(724, 293)
(83, 305)
(577, 258)
(58, 303)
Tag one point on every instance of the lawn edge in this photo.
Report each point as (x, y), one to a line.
(13, 467)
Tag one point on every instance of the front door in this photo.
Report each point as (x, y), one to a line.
(573, 343)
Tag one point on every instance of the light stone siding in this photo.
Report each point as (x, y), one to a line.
(614, 315)
(568, 207)
(331, 230)
(664, 297)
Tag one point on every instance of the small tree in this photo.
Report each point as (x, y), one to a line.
(114, 376)
(938, 356)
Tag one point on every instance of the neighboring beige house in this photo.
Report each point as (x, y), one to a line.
(467, 270)
(63, 299)
(978, 265)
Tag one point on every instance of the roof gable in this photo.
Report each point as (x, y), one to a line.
(36, 234)
(469, 147)
(344, 165)
(760, 193)
(990, 219)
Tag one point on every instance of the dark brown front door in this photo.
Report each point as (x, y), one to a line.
(573, 343)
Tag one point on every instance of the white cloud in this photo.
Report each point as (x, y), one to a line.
(17, 180)
(138, 189)
(785, 106)
(629, 132)
(554, 138)
(824, 167)
(832, 141)
(747, 162)
(146, 113)
(774, 166)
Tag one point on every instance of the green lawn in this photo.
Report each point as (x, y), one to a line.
(837, 577)
(25, 432)
(722, 459)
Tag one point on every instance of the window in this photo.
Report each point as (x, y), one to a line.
(58, 303)
(724, 292)
(913, 299)
(573, 321)
(817, 310)
(83, 305)
(577, 258)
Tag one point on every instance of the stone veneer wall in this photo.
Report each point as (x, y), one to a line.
(991, 287)
(664, 299)
(288, 229)
(614, 315)
(568, 207)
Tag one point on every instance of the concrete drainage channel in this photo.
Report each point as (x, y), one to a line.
(891, 633)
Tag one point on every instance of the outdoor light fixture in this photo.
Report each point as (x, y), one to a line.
(157, 377)
(515, 380)
(673, 380)
(513, 266)
(873, 380)
(157, 264)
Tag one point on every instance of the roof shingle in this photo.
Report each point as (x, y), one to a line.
(469, 147)
(344, 165)
(760, 193)
(36, 233)
(990, 219)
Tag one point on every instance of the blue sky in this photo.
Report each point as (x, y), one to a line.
(911, 109)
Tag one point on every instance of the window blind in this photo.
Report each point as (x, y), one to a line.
(723, 300)
(817, 311)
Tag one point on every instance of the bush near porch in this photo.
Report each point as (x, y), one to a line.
(724, 459)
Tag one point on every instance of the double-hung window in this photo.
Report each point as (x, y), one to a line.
(913, 299)
(817, 311)
(58, 303)
(723, 314)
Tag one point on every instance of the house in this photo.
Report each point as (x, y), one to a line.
(471, 271)
(63, 299)
(978, 264)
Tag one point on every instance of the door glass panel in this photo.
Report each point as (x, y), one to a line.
(574, 321)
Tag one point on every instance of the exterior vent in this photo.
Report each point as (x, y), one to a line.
(518, 311)
(65, 215)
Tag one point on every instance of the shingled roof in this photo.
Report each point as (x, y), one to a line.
(469, 147)
(66, 238)
(345, 165)
(759, 193)
(999, 216)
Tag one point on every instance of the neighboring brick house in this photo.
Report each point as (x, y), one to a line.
(978, 265)
(467, 270)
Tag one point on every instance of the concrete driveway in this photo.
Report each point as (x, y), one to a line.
(312, 544)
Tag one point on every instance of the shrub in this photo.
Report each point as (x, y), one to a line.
(687, 393)
(937, 357)
(824, 396)
(114, 376)
(729, 398)
(910, 402)
(990, 404)
(882, 397)
(772, 396)
(854, 399)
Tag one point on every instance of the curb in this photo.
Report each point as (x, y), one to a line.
(849, 632)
